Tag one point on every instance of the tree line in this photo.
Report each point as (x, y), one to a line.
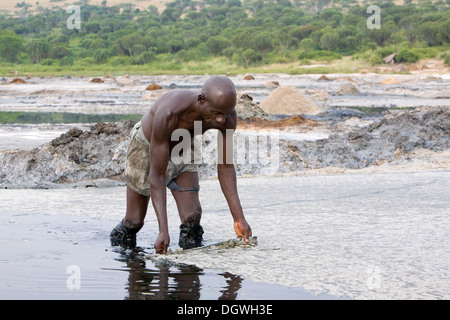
(248, 32)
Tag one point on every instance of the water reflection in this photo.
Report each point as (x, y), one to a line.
(160, 281)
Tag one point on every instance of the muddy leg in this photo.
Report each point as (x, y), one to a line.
(190, 211)
(124, 234)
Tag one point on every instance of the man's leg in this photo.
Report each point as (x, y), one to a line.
(189, 209)
(137, 205)
(124, 233)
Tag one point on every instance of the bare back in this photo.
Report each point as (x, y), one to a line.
(177, 108)
(175, 104)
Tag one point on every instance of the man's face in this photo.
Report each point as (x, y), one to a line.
(215, 113)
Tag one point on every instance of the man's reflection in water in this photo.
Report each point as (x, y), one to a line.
(233, 286)
(165, 282)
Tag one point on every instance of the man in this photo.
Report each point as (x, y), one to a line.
(150, 167)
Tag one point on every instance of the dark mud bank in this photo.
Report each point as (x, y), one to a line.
(390, 139)
(96, 157)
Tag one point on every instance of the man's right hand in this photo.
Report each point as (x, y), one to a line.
(242, 229)
(162, 242)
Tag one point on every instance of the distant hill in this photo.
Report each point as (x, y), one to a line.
(17, 5)
(11, 5)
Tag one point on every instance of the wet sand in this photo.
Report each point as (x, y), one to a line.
(357, 236)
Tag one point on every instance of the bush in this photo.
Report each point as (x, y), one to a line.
(120, 60)
(59, 51)
(383, 52)
(147, 56)
(100, 56)
(446, 57)
(66, 61)
(415, 54)
(48, 62)
(320, 55)
(86, 61)
(407, 56)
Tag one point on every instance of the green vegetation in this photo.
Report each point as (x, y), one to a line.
(219, 36)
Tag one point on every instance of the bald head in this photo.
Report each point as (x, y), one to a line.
(220, 92)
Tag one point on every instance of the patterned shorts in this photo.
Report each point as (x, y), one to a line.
(137, 168)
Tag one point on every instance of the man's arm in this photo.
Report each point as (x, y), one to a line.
(228, 183)
(159, 155)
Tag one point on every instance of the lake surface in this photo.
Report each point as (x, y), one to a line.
(357, 236)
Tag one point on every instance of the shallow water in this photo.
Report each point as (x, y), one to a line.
(61, 117)
(61, 255)
(361, 236)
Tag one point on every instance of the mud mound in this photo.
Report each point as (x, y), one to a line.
(247, 108)
(288, 100)
(18, 81)
(324, 78)
(153, 86)
(78, 156)
(75, 156)
(388, 140)
(258, 123)
(96, 80)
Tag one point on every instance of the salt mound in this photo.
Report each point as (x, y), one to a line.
(347, 89)
(389, 81)
(288, 100)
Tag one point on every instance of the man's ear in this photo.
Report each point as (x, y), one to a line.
(201, 98)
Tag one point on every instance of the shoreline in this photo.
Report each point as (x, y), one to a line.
(347, 65)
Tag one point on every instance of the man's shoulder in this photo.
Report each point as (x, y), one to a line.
(175, 101)
(180, 94)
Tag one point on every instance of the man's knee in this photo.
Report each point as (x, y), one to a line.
(192, 217)
(135, 225)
